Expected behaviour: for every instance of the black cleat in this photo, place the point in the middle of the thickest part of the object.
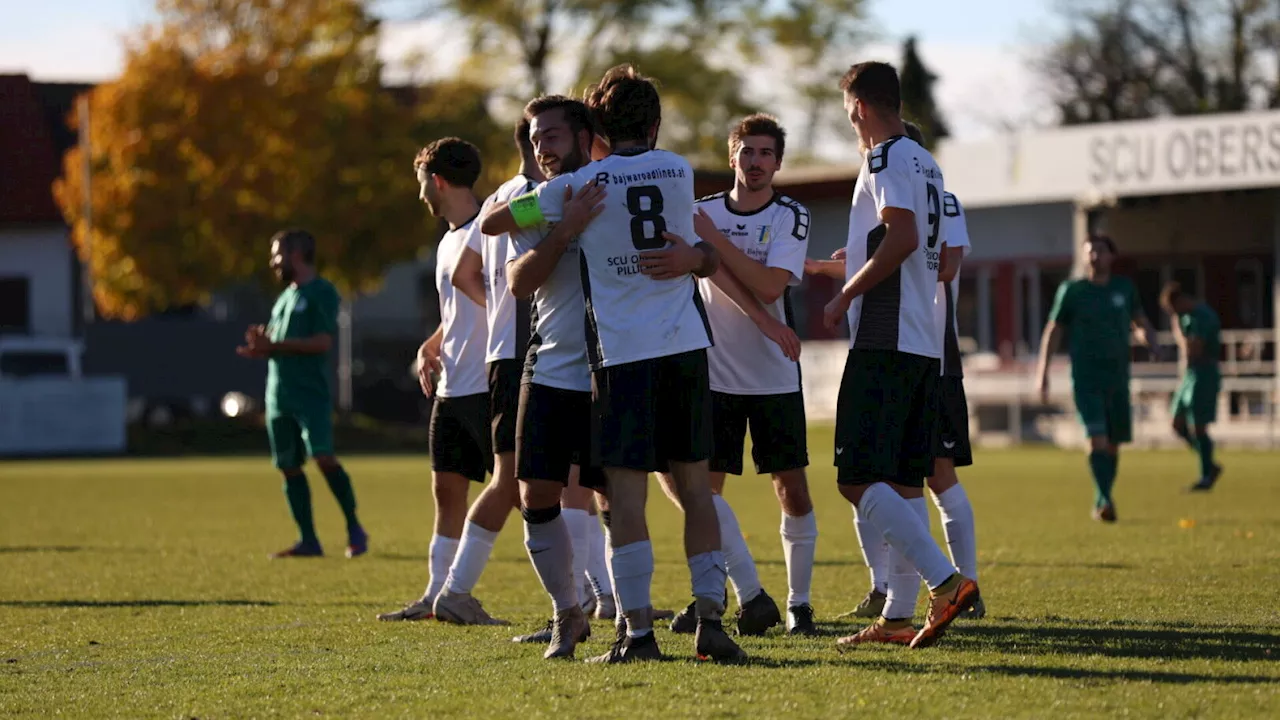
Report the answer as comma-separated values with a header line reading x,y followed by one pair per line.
x,y
758,615
712,643
1205,484
628,649
800,621
686,623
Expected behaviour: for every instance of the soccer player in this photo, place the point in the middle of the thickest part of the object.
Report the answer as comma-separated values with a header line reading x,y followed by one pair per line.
x,y
459,434
887,408
296,346
1195,403
761,236
646,341
1100,311
952,448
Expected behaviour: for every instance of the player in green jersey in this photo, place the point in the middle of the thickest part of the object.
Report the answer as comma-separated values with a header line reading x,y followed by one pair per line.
x,y
1099,312
296,346
1195,403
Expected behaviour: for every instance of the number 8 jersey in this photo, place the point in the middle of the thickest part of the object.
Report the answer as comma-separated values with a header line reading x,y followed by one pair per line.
x,y
898,313
630,317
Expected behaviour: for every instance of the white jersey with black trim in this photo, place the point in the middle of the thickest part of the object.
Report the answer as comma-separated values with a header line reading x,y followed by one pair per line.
x,y
897,314
465,333
744,361
630,316
504,313
944,303
557,355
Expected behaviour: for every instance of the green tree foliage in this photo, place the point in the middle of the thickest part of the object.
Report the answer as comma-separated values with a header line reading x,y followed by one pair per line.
x,y
918,103
231,120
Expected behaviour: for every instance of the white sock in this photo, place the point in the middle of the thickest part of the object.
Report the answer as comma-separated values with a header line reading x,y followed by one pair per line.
x,y
551,551
799,540
958,526
737,557
893,515
473,555
904,581
579,534
632,577
443,549
598,560
875,552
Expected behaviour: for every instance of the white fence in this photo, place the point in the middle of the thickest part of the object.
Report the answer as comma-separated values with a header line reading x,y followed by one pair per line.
x,y
1006,409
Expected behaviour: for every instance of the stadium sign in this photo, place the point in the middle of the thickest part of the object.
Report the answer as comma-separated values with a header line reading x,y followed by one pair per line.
x,y
1095,162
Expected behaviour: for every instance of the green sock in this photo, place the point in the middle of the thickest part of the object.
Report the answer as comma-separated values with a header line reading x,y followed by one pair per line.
x,y
340,485
299,495
1204,446
1103,465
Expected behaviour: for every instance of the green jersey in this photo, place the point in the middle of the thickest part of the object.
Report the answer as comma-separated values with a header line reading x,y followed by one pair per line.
x,y
298,382
1203,323
1098,321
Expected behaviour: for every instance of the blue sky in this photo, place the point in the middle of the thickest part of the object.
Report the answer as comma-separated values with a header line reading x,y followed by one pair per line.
x,y
977,47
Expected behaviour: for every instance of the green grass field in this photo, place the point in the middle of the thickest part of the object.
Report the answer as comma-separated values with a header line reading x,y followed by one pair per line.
x,y
142,588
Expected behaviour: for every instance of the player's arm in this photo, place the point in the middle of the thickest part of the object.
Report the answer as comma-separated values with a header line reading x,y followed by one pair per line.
x,y
429,360
679,259
314,345
900,240
831,268
1051,338
749,304
530,270
545,204
768,283
468,274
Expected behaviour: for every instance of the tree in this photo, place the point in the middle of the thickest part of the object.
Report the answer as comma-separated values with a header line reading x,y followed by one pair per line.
x,y
1130,59
918,104
678,42
233,119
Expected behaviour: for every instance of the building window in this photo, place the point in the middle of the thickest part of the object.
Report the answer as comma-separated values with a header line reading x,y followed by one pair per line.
x,y
967,308
15,305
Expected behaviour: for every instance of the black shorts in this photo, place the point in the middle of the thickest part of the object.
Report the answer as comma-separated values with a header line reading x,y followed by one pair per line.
x,y
651,412
778,439
554,432
953,423
459,436
886,418
504,397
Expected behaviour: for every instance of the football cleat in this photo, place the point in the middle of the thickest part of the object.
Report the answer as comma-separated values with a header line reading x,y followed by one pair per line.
x,y
878,632
300,550
463,609
416,610
758,615
944,608
800,621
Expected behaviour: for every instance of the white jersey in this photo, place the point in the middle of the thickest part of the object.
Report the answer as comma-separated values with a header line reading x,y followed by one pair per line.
x,y
557,354
744,361
632,317
506,337
944,303
897,314
465,333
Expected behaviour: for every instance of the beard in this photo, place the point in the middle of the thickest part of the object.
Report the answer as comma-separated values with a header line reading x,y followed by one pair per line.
x,y
568,163
286,275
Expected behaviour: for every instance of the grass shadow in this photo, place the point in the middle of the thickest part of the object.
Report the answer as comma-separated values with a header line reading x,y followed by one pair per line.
x,y
1168,642
92,604
6,549
1062,673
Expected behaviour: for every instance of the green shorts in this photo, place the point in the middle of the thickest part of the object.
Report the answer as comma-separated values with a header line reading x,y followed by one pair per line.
x,y
1196,400
1106,413
295,436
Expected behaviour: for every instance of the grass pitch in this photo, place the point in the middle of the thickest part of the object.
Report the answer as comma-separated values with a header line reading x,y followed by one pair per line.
x,y
141,588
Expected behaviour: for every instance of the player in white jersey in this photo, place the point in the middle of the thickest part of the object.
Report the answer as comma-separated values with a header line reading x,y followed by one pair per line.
x,y
762,237
646,341
886,413
952,448
459,431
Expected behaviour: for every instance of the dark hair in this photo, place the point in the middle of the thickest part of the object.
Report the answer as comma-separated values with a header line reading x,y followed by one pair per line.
x,y
521,136
299,241
624,104
758,124
575,112
875,83
1171,293
914,132
454,159
1105,241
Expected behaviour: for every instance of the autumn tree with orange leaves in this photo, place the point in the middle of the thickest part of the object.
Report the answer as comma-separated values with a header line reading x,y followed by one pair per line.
x,y
234,119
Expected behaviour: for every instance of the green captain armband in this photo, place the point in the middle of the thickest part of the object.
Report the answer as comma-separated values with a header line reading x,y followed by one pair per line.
x,y
526,211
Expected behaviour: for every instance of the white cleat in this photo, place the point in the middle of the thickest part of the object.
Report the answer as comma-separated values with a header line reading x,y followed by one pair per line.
x,y
463,609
